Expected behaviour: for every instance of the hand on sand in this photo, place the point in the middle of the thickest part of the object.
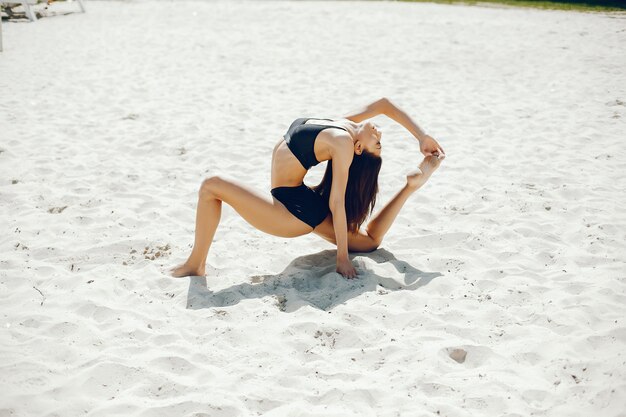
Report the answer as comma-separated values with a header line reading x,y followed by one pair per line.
x,y
429,146
417,178
345,268
185,270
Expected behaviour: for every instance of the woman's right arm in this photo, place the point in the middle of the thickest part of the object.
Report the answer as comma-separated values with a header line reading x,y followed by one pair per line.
x,y
342,154
379,106
428,145
389,109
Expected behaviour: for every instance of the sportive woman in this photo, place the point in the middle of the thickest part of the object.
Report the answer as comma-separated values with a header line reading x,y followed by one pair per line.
x,y
337,207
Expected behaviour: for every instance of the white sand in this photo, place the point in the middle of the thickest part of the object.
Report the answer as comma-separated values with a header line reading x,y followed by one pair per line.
x,y
514,252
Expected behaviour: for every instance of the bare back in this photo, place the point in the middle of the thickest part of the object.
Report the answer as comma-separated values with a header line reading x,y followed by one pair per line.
x,y
287,171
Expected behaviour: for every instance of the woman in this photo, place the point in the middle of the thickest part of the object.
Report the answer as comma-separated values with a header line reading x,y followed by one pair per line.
x,y
337,207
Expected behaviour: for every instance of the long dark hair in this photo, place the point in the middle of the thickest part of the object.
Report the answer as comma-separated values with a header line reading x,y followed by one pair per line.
x,y
361,189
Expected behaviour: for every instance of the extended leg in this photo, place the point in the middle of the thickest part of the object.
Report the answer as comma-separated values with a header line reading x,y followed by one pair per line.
x,y
382,221
265,214
370,239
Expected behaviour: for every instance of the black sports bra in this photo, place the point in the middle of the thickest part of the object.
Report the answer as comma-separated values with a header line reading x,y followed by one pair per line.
x,y
300,138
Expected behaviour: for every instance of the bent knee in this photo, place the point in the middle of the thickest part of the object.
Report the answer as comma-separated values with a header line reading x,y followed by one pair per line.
x,y
210,187
372,246
374,242
366,245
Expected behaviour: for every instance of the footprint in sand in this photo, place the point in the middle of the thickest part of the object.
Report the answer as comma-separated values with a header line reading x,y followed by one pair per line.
x,y
149,253
57,210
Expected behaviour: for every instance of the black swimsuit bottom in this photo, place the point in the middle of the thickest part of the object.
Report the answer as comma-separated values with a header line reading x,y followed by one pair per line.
x,y
302,201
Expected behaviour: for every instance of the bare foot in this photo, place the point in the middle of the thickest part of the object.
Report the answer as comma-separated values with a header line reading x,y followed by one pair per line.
x,y
185,270
417,178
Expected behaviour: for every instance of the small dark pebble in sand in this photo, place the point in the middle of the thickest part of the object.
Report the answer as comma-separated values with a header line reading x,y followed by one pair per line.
x,y
458,355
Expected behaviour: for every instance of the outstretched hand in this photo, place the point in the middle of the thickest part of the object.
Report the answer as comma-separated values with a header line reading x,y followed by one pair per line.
x,y
345,268
429,146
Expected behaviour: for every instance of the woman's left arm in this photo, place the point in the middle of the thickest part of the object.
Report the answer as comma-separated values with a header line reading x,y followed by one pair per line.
x,y
342,153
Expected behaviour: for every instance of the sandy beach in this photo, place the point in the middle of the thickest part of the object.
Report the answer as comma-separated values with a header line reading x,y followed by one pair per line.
x,y
499,291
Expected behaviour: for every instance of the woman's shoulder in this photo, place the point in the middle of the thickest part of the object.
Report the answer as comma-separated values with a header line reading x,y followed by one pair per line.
x,y
339,145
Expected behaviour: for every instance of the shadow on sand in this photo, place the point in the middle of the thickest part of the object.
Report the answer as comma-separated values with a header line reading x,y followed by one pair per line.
x,y
312,280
